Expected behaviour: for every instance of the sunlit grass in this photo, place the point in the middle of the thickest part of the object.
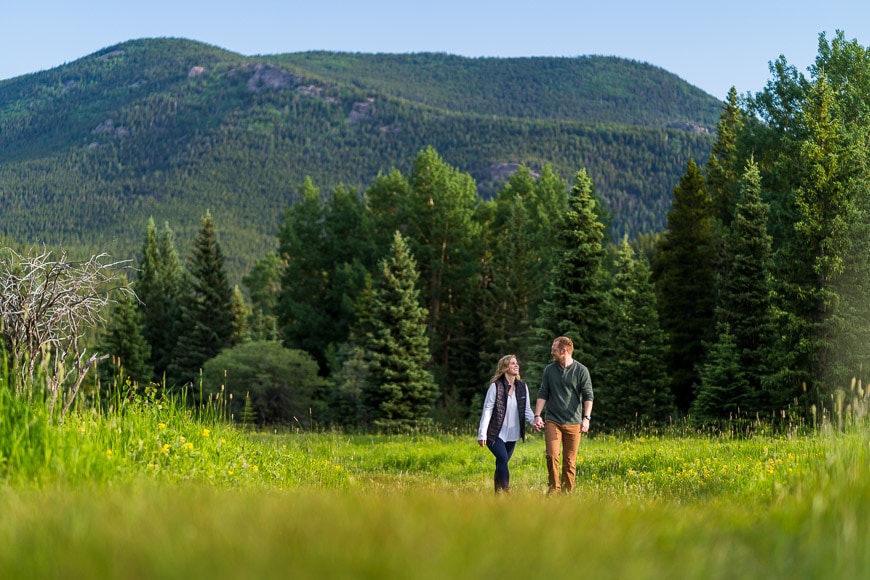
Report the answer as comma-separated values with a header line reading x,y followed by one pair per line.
x,y
162,531
150,487
150,437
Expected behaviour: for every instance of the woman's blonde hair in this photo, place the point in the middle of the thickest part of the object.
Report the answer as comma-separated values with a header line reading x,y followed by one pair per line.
x,y
502,367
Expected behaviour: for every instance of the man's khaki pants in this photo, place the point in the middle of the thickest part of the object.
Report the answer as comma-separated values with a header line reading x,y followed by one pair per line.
x,y
566,436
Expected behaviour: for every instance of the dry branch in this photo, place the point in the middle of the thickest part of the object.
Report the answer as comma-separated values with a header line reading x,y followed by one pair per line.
x,y
45,306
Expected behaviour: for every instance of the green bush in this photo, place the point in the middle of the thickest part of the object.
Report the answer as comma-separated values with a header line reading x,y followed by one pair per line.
x,y
281,382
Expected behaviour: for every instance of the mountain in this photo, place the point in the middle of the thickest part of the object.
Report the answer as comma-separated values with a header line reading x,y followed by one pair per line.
x,y
171,128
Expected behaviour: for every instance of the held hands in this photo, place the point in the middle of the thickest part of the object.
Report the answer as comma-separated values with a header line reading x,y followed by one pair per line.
x,y
481,442
538,423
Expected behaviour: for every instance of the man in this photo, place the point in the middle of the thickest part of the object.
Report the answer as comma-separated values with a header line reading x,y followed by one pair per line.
x,y
566,390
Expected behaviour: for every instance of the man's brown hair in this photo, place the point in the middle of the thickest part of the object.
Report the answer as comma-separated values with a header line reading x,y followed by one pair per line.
x,y
566,343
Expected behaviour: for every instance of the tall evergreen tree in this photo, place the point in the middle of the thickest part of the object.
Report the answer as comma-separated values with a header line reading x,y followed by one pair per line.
x,y
723,166
303,280
723,381
241,313
811,139
512,282
523,225
151,292
351,251
351,375
399,390
125,342
159,287
386,199
744,305
576,303
637,388
263,283
206,314
328,247
825,216
172,271
683,271
446,239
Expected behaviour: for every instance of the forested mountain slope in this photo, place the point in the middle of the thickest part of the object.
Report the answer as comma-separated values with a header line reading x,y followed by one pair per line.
x,y
591,89
171,128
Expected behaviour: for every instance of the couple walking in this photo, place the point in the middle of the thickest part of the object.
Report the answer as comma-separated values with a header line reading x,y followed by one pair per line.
x,y
566,392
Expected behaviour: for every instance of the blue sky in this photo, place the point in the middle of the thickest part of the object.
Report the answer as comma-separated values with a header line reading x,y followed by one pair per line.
x,y
712,45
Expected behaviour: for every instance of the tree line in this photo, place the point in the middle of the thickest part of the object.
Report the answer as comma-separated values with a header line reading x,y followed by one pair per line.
x,y
751,304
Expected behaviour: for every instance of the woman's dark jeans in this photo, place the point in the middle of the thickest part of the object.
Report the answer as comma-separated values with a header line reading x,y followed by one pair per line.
x,y
502,452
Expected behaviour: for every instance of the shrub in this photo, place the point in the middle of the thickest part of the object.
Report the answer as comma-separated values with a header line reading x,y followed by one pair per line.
x,y
282,382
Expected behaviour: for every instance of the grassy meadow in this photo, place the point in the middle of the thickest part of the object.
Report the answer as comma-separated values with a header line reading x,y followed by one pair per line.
x,y
146,488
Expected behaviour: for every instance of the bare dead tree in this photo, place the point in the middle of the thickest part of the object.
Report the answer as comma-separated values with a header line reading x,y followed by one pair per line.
x,y
45,306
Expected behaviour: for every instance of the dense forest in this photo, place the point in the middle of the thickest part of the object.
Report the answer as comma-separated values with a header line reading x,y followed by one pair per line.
x,y
170,128
387,304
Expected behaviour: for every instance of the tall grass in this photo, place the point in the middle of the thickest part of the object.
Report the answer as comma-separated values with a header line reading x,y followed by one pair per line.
x,y
146,486
26,440
145,434
814,527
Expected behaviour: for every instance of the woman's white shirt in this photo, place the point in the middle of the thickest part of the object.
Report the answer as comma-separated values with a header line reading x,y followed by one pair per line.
x,y
510,427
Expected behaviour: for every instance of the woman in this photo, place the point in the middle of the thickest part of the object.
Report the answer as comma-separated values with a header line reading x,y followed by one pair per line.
x,y
501,424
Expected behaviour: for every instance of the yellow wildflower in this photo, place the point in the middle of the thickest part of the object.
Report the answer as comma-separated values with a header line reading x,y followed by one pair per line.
x,y
109,453
161,425
206,432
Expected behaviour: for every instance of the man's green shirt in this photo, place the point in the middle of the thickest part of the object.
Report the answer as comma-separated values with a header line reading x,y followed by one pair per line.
x,y
565,390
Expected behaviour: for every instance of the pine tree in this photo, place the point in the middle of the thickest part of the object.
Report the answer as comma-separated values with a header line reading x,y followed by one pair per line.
x,y
351,254
744,305
241,313
812,145
386,199
399,390
723,166
510,270
171,269
328,247
576,305
350,379
825,215
513,284
300,248
206,325
263,283
150,290
159,287
637,388
126,344
684,273
722,381
446,239
249,415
